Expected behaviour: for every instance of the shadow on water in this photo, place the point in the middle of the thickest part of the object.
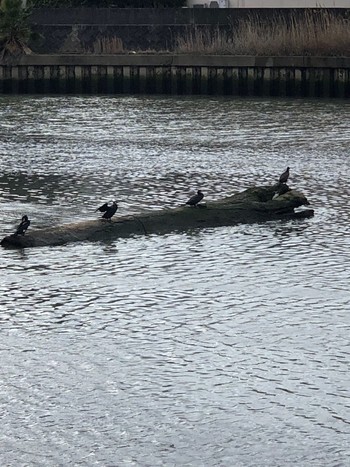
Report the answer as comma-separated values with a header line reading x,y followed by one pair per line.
x,y
287,229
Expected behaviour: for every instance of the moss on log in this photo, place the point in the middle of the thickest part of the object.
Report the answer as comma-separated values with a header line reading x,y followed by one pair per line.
x,y
257,204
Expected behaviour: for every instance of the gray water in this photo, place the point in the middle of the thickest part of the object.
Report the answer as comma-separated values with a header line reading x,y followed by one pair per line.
x,y
213,347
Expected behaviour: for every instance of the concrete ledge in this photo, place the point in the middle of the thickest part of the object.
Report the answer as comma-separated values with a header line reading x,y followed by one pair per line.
x,y
182,60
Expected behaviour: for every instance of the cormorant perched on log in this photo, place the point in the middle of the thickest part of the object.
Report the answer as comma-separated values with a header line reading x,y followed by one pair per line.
x,y
23,226
284,177
194,200
109,211
282,189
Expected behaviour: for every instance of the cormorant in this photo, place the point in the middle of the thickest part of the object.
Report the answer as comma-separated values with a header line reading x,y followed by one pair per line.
x,y
23,226
109,211
281,190
284,177
195,199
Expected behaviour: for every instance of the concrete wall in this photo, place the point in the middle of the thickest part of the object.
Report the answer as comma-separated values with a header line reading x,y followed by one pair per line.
x,y
270,3
168,74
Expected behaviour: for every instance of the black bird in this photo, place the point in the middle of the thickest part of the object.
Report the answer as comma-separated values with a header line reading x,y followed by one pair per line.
x,y
109,211
23,226
194,200
284,177
282,189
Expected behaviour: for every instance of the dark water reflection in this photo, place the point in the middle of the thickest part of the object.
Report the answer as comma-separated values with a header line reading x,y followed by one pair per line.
x,y
224,346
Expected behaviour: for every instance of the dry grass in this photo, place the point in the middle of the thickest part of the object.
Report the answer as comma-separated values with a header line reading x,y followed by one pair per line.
x,y
314,33
204,41
108,45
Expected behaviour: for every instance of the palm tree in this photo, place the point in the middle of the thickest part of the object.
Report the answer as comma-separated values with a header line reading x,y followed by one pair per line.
x,y
15,32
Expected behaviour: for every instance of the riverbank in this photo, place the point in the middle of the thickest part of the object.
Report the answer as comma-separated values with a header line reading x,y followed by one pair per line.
x,y
177,74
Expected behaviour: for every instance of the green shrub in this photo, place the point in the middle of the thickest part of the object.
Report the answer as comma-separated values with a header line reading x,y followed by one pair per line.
x,y
15,32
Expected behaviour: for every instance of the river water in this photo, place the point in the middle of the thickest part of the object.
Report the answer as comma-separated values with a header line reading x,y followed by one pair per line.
x,y
213,347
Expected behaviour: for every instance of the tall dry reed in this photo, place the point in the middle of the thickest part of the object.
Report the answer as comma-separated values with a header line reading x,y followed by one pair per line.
x,y
313,33
108,45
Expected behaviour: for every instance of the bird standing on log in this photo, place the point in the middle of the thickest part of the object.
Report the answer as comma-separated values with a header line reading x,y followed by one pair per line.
x,y
23,226
194,200
284,177
282,189
108,211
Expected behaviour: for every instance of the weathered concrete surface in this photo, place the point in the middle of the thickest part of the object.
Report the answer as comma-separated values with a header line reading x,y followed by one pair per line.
x,y
253,205
176,74
167,16
182,60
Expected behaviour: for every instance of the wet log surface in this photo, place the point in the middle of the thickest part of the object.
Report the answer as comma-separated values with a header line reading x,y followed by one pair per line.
x,y
252,205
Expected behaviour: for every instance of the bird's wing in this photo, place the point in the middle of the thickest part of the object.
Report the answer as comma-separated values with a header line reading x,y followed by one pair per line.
x,y
19,229
103,208
195,199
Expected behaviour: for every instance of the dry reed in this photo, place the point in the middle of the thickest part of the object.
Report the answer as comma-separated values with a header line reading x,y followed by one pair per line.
x,y
321,33
108,45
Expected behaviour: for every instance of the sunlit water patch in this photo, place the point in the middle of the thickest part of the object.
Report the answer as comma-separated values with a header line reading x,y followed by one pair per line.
x,y
224,346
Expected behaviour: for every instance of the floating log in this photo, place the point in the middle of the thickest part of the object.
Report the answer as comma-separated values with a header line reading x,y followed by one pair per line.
x,y
257,204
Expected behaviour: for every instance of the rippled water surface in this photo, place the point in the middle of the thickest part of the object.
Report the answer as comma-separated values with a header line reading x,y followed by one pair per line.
x,y
213,347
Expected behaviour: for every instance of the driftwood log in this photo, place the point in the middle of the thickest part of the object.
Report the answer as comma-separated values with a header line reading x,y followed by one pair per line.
x,y
257,204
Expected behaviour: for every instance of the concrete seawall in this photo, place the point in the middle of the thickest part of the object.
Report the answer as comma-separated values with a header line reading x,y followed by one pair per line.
x,y
177,74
